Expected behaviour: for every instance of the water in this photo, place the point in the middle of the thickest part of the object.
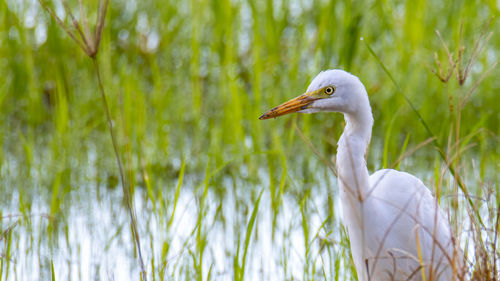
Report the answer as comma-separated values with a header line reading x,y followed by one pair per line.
x,y
86,236
90,238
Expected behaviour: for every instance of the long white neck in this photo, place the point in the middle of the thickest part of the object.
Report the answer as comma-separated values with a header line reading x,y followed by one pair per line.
x,y
351,165
353,178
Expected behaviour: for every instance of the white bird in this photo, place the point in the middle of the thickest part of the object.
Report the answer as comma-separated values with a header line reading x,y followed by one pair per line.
x,y
395,226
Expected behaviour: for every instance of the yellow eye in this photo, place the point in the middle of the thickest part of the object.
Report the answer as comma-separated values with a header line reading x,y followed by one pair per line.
x,y
329,90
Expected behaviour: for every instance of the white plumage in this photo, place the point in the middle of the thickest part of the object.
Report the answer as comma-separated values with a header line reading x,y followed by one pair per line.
x,y
396,228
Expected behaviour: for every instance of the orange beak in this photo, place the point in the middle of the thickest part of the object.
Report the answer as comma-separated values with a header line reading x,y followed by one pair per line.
x,y
299,103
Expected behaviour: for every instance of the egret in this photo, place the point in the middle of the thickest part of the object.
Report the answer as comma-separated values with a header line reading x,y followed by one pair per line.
x,y
396,229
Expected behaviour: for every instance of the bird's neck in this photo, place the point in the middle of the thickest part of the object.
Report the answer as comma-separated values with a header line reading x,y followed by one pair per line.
x,y
353,176
351,165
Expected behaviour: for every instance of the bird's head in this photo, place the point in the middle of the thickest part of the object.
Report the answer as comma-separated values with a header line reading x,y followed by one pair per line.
x,y
331,90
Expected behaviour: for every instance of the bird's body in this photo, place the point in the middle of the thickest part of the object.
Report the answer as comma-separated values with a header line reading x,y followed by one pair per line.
x,y
397,218
395,226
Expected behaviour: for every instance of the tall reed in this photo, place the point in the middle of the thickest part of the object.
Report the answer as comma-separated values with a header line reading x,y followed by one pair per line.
x,y
89,42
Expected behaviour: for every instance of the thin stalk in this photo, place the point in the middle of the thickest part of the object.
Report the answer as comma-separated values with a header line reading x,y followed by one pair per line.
x,y
435,141
125,186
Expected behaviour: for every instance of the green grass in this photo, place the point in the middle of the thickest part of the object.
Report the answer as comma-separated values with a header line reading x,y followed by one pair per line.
x,y
219,194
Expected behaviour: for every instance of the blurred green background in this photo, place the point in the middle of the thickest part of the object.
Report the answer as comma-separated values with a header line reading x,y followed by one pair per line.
x,y
186,82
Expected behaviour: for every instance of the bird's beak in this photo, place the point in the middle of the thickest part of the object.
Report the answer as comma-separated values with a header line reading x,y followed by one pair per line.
x,y
299,103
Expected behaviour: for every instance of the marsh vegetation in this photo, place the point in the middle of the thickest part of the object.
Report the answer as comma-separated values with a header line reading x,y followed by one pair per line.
x,y
207,190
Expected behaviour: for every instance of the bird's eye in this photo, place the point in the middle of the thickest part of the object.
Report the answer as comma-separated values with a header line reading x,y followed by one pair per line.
x,y
329,90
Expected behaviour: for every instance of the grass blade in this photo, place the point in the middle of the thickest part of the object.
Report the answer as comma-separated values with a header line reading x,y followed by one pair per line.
x,y
435,141
248,236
